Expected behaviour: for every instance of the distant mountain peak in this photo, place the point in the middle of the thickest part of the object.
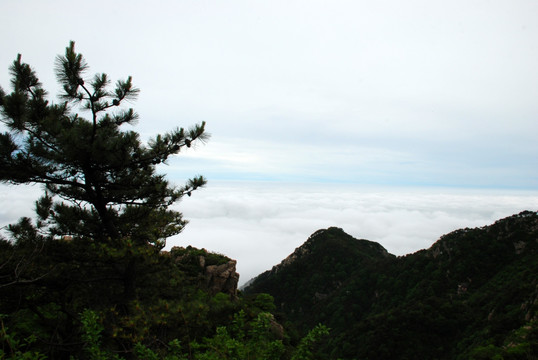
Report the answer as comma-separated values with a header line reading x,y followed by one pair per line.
x,y
506,232
328,241
472,294
317,258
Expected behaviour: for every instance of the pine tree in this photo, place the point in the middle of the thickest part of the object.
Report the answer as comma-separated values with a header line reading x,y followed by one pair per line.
x,y
100,180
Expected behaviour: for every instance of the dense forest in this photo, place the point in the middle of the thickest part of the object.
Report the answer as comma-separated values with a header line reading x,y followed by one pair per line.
x,y
87,277
472,295
66,299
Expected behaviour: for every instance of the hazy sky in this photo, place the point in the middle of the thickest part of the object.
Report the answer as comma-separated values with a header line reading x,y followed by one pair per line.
x,y
391,94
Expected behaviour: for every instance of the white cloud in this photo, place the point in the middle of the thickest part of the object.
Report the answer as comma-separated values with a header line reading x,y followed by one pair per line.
x,y
379,92
402,163
259,224
448,87
17,201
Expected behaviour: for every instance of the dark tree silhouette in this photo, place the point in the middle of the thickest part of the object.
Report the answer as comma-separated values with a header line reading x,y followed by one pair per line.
x,y
100,179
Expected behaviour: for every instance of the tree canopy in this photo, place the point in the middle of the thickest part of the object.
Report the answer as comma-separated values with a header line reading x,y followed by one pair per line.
x,y
111,293
100,179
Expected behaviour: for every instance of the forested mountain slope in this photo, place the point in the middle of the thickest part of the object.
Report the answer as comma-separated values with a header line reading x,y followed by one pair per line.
x,y
472,295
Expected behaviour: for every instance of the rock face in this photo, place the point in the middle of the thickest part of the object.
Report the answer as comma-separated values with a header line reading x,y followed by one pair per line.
x,y
216,273
222,278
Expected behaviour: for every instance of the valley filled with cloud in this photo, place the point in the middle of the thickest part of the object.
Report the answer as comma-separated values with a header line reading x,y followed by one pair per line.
x,y
259,224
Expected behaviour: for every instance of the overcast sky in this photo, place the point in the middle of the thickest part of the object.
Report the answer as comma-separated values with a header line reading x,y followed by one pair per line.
x,y
342,96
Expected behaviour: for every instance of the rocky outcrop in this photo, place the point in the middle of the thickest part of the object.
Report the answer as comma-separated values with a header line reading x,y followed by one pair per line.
x,y
222,278
215,272
298,253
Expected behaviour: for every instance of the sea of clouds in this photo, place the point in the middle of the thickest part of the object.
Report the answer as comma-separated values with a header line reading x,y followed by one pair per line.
x,y
259,223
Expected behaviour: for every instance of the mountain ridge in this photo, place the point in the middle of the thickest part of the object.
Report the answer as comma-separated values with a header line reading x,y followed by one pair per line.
x,y
305,248
463,297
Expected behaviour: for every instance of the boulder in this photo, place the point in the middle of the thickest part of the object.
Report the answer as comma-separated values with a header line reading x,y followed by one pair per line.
x,y
222,278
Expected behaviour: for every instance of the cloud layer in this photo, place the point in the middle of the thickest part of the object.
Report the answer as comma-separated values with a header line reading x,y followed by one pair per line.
x,y
259,224
385,92
330,95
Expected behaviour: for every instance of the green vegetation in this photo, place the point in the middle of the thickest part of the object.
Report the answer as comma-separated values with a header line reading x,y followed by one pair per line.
x,y
473,294
317,268
87,278
99,179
